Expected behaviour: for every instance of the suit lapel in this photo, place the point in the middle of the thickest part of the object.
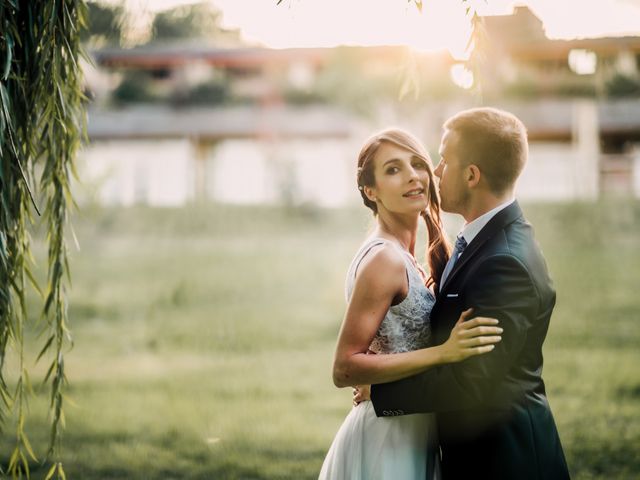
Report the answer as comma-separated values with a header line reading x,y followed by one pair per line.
x,y
500,220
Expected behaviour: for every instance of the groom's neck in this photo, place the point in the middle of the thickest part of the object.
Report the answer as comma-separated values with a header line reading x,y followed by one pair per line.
x,y
483,202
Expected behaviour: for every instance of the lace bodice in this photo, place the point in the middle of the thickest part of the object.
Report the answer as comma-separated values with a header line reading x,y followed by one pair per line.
x,y
406,326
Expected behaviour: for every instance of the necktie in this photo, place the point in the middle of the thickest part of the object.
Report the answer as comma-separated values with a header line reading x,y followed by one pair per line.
x,y
460,245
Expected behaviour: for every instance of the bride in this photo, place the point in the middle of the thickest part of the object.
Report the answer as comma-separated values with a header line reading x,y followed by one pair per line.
x,y
385,334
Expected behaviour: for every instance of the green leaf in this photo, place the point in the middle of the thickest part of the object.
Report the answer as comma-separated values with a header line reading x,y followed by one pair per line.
x,y
33,281
4,97
45,348
6,397
25,463
13,460
9,58
51,472
49,371
28,448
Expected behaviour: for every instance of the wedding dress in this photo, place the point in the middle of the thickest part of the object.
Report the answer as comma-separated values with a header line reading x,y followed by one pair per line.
x,y
368,447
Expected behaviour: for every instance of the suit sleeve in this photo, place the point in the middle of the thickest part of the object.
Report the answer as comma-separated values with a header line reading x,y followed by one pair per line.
x,y
500,288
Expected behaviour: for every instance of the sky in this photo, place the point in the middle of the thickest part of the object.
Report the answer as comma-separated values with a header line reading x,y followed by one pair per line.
x,y
441,24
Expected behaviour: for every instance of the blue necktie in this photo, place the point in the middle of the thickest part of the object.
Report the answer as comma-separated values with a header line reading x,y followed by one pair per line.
x,y
459,247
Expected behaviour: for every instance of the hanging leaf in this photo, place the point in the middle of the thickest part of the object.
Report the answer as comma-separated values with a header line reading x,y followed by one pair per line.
x,y
410,77
51,472
9,56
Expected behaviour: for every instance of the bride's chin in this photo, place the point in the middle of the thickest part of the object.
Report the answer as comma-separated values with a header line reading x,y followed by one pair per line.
x,y
413,212
421,208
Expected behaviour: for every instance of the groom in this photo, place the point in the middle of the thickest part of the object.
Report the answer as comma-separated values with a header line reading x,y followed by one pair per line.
x,y
493,417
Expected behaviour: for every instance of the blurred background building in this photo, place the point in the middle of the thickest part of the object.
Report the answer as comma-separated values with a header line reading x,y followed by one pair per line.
x,y
196,114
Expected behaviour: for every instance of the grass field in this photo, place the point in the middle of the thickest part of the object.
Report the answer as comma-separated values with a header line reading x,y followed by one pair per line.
x,y
204,340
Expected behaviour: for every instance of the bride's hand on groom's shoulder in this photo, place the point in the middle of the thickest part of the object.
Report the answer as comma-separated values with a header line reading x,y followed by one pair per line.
x,y
470,337
361,393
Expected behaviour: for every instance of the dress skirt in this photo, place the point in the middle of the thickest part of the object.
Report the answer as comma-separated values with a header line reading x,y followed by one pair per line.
x,y
368,447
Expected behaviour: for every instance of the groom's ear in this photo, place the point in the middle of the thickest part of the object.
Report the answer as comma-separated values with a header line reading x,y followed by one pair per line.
x,y
473,175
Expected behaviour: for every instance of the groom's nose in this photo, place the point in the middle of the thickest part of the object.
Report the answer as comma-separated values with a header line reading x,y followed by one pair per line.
x,y
438,171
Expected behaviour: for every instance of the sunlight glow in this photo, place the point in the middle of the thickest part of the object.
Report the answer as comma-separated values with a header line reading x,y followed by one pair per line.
x,y
462,76
442,24
583,62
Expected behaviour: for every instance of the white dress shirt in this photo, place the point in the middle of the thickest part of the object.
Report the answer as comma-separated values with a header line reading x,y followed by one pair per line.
x,y
471,230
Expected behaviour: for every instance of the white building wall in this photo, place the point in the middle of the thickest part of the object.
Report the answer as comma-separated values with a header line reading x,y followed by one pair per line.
x,y
298,171
549,174
125,172
636,172
321,172
325,172
586,142
239,172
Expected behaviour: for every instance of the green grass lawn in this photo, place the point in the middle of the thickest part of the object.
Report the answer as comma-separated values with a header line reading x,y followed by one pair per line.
x,y
204,339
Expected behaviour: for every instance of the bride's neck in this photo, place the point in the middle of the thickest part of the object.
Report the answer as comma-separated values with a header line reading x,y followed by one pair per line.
x,y
402,229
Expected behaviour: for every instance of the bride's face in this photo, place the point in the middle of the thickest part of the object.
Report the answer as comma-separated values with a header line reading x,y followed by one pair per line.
x,y
401,180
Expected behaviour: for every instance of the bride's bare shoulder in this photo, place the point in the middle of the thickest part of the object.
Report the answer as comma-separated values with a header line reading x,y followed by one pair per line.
x,y
382,261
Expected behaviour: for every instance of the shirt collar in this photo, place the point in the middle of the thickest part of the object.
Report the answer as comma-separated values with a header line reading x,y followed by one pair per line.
x,y
471,230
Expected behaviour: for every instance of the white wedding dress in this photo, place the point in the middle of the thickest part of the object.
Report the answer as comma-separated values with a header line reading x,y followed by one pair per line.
x,y
368,447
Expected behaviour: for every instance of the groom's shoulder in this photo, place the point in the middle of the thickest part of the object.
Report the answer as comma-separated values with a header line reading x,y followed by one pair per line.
x,y
519,235
510,238
516,240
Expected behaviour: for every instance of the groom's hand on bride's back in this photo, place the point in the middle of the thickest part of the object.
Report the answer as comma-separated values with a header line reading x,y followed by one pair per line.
x,y
361,393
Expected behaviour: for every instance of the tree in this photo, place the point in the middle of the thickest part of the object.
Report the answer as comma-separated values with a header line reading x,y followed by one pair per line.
x,y
188,22
104,25
41,127
620,86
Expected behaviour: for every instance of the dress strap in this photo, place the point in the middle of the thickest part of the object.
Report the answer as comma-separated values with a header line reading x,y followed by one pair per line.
x,y
355,263
366,248
414,276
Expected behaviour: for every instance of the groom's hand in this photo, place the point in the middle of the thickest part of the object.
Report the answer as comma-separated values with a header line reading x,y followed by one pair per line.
x,y
361,393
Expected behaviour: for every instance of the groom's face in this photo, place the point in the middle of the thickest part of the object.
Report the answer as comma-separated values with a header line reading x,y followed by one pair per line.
x,y
453,189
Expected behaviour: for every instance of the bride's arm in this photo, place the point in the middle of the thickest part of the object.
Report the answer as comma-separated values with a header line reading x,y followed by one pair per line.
x,y
381,278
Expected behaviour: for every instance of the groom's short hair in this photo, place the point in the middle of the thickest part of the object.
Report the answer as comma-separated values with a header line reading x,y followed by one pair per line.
x,y
493,140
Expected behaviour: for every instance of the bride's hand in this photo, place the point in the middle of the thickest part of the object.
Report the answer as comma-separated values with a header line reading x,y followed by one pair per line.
x,y
470,337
